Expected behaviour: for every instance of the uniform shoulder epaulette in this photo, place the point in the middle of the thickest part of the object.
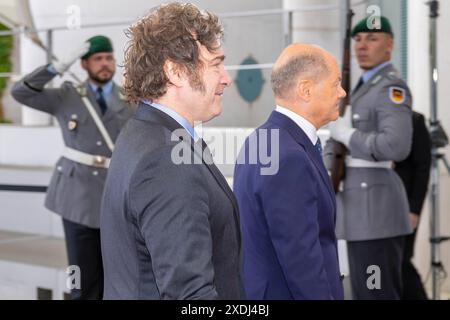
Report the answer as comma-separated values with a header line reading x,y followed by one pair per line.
x,y
122,94
392,75
391,78
376,79
81,89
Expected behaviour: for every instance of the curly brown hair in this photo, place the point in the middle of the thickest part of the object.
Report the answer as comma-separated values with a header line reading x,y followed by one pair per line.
x,y
168,32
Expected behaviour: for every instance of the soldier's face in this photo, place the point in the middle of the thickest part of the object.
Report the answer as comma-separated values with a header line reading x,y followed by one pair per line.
x,y
373,49
326,95
100,67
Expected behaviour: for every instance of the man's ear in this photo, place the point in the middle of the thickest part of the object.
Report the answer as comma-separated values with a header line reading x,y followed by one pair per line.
x,y
84,64
390,44
174,74
304,90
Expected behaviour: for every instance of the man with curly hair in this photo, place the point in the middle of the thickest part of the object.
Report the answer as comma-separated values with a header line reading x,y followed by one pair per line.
x,y
169,221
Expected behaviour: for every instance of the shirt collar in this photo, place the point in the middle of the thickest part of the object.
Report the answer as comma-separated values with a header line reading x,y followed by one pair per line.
x,y
107,87
370,73
307,127
175,116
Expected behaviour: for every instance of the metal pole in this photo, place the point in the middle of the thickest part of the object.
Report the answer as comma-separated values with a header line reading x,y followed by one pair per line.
x,y
345,6
49,45
287,28
434,197
49,57
435,254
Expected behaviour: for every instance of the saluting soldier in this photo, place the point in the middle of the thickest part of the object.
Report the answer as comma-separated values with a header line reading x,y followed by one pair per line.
x,y
373,212
90,116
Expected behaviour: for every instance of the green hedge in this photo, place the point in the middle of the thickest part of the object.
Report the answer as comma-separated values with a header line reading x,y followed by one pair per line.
x,y
6,45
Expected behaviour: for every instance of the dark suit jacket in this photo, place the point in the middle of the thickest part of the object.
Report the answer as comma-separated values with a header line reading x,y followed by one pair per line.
x,y
287,219
168,231
415,169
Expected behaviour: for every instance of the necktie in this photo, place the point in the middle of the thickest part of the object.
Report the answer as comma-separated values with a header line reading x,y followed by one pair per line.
x,y
359,84
318,146
101,100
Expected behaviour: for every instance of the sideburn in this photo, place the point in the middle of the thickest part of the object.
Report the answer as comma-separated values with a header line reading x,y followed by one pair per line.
x,y
195,78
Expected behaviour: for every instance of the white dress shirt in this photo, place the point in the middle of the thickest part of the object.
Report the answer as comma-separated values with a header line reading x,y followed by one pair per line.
x,y
307,127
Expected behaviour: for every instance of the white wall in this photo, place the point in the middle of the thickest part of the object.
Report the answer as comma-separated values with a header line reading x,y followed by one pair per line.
x,y
322,27
260,37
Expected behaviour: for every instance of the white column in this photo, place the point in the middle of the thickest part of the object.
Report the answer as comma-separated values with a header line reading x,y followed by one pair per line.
x,y
418,55
31,117
317,27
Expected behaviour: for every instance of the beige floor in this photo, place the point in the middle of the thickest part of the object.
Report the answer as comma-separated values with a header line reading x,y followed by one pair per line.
x,y
32,267
31,249
37,252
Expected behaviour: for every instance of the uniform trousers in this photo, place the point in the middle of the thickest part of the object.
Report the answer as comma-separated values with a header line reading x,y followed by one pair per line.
x,y
84,250
368,257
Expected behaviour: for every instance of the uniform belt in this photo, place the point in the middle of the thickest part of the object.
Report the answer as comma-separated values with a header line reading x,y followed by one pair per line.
x,y
360,163
86,158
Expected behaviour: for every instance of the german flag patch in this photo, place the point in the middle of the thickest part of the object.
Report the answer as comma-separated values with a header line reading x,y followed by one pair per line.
x,y
397,95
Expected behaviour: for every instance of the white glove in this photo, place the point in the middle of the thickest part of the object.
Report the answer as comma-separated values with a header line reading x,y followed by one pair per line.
x,y
62,65
341,130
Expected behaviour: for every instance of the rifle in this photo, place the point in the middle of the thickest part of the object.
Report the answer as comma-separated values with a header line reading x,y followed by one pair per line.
x,y
339,150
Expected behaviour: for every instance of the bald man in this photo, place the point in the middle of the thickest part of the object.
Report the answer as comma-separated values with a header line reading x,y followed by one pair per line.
x,y
288,214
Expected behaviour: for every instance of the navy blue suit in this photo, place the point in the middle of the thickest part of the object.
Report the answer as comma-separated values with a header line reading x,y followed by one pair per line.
x,y
287,219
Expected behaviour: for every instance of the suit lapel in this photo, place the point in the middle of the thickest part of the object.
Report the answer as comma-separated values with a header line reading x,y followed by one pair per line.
x,y
92,98
116,102
318,162
360,92
367,85
301,138
147,113
208,161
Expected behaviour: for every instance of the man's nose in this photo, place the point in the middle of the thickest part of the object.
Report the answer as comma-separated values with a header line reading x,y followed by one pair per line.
x,y
226,79
343,93
361,45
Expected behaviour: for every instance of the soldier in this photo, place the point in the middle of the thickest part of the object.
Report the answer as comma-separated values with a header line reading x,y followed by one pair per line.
x,y
415,174
90,116
373,212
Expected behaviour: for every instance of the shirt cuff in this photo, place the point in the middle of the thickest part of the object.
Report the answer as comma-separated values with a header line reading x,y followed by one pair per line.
x,y
51,69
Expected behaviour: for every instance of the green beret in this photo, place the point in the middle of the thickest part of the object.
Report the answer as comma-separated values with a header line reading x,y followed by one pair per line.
x,y
365,26
98,44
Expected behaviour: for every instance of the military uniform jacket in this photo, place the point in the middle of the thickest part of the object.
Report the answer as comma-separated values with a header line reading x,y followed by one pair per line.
x,y
373,203
75,190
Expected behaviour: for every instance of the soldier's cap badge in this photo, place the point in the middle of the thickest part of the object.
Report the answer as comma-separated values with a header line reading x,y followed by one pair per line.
x,y
397,95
